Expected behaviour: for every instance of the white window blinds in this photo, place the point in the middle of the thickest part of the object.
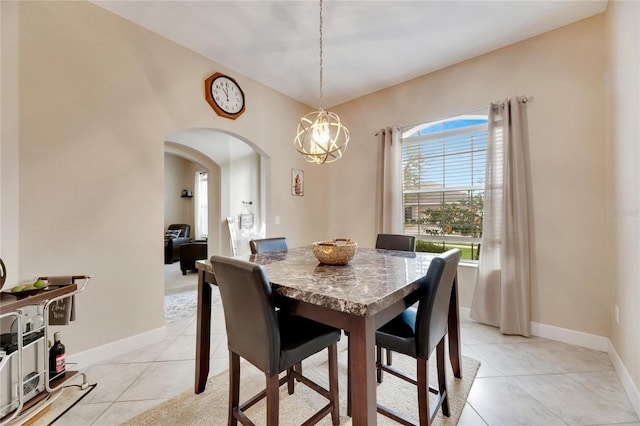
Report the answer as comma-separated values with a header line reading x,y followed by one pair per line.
x,y
443,167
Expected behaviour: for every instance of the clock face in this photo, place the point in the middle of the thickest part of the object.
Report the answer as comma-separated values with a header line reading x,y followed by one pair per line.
x,y
224,95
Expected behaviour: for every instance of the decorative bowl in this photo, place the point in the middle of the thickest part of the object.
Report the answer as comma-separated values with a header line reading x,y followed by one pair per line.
x,y
335,252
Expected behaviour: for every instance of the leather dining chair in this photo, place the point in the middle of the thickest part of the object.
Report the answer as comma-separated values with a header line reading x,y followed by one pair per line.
x,y
416,332
399,242
396,242
267,245
272,340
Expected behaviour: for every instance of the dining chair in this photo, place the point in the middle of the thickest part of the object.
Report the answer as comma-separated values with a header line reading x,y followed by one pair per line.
x,y
271,339
416,332
398,242
267,245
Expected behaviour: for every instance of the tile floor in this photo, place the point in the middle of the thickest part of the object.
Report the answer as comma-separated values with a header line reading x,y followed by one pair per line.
x,y
521,381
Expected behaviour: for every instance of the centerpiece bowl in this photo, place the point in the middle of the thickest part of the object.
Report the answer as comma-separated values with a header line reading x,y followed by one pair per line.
x,y
335,252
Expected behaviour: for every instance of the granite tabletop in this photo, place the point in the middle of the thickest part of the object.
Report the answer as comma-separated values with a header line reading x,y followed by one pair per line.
x,y
373,279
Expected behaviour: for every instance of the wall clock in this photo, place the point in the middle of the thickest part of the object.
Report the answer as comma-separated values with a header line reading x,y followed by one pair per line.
x,y
224,95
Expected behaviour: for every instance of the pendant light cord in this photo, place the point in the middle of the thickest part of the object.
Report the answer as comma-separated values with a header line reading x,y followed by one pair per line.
x,y
321,65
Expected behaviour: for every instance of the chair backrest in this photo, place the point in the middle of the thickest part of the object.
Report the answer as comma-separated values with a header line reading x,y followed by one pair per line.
x,y
183,227
249,312
396,242
433,309
267,245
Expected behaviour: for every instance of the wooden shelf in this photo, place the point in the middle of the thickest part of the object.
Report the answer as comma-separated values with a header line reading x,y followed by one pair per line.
x,y
11,302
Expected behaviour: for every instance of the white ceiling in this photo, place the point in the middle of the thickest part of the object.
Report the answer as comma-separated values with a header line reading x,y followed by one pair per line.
x,y
368,45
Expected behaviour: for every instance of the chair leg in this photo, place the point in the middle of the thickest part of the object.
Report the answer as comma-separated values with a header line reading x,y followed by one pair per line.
x,y
333,384
273,400
291,386
388,356
348,376
234,387
442,379
422,371
379,363
298,368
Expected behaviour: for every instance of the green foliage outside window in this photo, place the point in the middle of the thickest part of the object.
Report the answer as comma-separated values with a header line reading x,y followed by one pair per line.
x,y
469,251
463,218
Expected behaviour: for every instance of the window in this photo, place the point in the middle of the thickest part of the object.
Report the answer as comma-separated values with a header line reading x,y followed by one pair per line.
x,y
443,164
202,206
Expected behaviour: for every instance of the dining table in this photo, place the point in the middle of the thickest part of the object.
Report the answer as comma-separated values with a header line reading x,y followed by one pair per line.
x,y
374,287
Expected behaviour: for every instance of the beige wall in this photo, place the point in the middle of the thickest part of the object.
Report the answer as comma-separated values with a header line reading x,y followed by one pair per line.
x,y
563,71
96,97
623,180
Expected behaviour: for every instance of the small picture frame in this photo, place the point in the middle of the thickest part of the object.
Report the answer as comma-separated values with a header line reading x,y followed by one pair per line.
x,y
246,220
297,182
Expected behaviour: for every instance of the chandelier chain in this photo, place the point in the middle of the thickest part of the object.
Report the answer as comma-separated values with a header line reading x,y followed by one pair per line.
x,y
321,137
321,65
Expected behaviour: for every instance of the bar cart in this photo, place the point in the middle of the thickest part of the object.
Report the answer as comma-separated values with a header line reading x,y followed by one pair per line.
x,y
26,388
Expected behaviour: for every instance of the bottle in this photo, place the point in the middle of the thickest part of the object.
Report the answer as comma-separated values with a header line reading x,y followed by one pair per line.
x,y
56,358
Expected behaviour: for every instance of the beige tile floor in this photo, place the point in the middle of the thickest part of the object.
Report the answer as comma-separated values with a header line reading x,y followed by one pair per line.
x,y
521,381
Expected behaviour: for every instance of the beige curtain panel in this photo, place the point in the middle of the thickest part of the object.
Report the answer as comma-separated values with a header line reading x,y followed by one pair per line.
x,y
502,292
389,198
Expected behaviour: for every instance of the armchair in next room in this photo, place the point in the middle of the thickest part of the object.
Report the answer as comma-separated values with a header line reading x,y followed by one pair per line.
x,y
175,235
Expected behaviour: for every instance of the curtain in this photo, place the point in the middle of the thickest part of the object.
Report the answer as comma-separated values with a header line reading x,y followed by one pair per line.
x,y
502,292
389,198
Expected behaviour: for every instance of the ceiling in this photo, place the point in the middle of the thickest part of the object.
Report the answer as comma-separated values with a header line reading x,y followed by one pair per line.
x,y
367,45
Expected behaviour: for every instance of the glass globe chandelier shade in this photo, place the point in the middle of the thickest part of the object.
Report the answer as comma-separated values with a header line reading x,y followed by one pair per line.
x,y
321,138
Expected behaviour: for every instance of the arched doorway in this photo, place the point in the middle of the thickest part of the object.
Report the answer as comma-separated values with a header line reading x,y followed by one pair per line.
x,y
238,171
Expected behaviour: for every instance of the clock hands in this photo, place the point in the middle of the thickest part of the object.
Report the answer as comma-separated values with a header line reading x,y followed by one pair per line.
x,y
225,89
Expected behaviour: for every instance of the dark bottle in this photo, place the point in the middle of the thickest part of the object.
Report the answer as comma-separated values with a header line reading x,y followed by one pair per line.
x,y
56,358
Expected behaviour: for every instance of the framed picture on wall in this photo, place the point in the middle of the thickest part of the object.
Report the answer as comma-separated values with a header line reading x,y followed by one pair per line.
x,y
297,182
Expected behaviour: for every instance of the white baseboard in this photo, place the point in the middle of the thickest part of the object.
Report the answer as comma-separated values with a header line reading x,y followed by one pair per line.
x,y
627,382
84,359
578,338
586,340
573,337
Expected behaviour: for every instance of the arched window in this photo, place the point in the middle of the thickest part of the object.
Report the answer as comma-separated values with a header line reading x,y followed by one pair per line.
x,y
443,164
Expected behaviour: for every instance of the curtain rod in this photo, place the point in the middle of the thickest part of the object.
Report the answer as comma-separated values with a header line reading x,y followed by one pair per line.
x,y
522,99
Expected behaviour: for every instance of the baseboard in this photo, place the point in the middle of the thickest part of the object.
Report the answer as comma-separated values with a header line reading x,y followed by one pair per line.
x,y
564,335
627,382
82,360
586,340
573,337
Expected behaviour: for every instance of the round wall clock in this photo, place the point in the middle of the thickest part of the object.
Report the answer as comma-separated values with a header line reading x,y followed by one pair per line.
x,y
224,95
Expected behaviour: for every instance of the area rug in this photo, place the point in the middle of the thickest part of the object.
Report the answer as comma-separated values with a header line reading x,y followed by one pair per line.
x,y
210,407
180,305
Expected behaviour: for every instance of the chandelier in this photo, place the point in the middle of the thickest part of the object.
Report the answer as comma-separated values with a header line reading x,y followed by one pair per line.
x,y
321,137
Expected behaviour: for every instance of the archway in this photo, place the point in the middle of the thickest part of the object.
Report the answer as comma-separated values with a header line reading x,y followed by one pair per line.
x,y
238,170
